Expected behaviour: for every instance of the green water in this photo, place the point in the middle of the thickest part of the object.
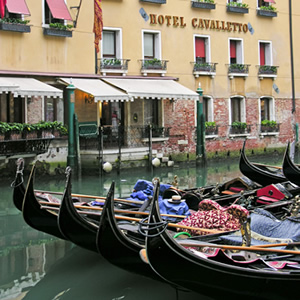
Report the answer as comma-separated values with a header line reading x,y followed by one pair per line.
x,y
35,265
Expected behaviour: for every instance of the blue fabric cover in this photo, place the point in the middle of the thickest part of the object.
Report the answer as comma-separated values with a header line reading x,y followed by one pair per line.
x,y
167,207
266,224
143,189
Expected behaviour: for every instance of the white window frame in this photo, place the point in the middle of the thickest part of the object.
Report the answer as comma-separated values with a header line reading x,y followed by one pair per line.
x,y
239,50
157,49
238,1
271,106
243,108
268,50
119,39
207,47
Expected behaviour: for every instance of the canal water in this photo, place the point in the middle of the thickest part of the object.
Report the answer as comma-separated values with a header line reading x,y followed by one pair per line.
x,y
35,266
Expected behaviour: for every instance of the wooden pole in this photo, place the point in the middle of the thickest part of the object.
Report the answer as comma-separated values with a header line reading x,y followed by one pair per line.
x,y
116,210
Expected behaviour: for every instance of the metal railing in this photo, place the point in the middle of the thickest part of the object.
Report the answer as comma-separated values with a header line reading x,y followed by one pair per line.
x,y
113,64
238,68
153,64
204,67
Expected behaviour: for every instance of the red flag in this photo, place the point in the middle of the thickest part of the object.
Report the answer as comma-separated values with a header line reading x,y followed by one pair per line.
x,y
2,8
98,23
270,1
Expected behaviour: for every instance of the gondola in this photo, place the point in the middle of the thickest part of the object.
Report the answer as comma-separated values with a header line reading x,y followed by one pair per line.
x,y
115,247
75,227
290,170
18,185
216,279
40,219
259,173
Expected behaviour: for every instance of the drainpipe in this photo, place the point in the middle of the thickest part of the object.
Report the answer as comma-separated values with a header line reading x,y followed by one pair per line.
x,y
71,105
200,147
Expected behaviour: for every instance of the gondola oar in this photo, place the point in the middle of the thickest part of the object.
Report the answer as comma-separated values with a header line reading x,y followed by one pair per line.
x,y
118,217
116,210
242,248
96,198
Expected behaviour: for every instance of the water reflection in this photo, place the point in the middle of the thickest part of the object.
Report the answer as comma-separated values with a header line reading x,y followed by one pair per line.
x,y
35,265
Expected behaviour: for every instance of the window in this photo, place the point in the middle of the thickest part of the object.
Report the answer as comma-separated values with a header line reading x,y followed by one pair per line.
x,y
265,54
16,9
111,43
266,109
208,109
151,45
202,49
235,51
265,3
53,109
56,11
152,112
237,109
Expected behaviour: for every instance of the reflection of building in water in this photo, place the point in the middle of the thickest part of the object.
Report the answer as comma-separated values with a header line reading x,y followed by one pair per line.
x,y
28,263
25,254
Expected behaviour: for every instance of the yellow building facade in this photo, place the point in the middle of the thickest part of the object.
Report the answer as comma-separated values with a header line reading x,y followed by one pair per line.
x,y
154,55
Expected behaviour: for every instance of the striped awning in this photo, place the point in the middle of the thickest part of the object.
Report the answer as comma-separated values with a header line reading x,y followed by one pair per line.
x,y
100,90
28,87
153,88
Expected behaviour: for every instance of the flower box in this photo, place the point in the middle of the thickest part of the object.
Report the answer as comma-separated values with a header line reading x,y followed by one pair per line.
x,y
29,135
15,135
57,32
14,27
266,13
203,5
239,10
155,1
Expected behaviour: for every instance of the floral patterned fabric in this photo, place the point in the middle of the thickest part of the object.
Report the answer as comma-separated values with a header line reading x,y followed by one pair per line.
x,y
211,215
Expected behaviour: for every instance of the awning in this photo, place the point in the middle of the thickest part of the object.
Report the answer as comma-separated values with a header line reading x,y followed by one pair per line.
x,y
6,86
17,7
59,9
29,87
153,88
97,88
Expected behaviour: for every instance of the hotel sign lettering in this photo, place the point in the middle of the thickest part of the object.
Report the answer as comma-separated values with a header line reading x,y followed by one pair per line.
x,y
198,23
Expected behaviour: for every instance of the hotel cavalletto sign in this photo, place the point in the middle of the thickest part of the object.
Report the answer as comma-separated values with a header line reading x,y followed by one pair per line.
x,y
198,23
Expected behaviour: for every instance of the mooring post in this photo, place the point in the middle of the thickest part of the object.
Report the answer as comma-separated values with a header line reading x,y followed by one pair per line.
x,y
200,147
71,105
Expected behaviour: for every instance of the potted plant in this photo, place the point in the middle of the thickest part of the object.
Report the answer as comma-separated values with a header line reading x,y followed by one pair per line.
x,y
268,70
29,131
152,64
211,128
15,131
3,129
205,4
58,29
269,126
204,67
267,11
237,68
238,127
14,24
237,7
112,63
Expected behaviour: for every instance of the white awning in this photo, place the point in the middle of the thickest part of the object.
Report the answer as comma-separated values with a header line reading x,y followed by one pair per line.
x,y
6,86
153,88
97,88
29,87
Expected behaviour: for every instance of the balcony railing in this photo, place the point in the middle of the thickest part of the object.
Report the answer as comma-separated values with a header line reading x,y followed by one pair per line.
x,y
204,68
269,128
113,65
211,130
153,66
238,70
267,71
239,130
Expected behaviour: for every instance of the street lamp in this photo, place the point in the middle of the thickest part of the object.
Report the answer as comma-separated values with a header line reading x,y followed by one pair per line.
x,y
200,148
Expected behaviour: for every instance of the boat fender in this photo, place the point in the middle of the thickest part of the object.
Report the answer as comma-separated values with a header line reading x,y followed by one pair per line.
x,y
107,167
